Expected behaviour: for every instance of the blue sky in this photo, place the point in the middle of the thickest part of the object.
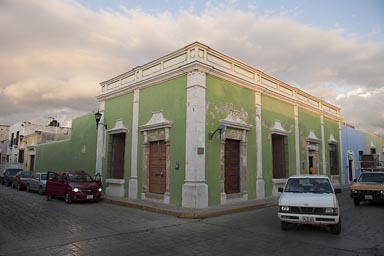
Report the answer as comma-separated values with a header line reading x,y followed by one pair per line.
x,y
56,52
363,19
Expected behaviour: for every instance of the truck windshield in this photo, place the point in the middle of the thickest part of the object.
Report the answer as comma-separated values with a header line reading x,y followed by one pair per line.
x,y
308,185
372,177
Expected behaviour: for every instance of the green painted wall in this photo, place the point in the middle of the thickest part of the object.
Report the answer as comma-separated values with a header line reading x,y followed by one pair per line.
x,y
331,127
170,98
308,121
222,96
120,107
77,153
370,139
272,110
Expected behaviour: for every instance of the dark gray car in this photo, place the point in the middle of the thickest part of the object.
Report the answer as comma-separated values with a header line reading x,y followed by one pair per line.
x,y
9,175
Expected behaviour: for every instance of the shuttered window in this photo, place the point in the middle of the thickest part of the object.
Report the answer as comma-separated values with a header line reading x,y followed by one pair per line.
x,y
116,156
279,156
333,159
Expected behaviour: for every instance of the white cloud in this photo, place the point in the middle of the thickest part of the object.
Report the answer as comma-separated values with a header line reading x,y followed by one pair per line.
x,y
56,52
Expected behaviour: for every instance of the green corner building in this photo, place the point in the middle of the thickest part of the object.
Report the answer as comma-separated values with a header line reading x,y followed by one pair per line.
x,y
197,128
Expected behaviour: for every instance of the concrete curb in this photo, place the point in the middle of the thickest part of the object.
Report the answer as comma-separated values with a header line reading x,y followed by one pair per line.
x,y
198,213
191,213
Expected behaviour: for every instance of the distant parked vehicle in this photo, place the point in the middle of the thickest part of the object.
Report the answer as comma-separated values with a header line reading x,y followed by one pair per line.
x,y
21,180
37,182
2,177
369,187
9,175
73,186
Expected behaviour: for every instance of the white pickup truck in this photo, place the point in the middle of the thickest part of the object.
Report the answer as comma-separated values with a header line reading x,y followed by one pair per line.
x,y
309,199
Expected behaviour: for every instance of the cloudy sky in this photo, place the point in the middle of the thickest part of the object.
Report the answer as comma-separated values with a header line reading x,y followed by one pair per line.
x,y
54,53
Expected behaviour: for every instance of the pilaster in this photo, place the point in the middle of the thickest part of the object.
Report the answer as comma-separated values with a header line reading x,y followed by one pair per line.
x,y
323,145
342,174
260,183
132,191
297,139
195,189
100,140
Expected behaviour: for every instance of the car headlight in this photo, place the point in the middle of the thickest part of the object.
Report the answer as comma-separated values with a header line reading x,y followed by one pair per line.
x,y
331,211
75,190
382,192
100,189
284,208
354,191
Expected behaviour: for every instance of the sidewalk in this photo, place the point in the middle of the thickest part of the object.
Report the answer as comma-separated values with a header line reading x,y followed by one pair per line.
x,y
188,213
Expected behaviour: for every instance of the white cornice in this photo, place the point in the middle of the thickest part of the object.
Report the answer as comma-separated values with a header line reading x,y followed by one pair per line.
x,y
201,57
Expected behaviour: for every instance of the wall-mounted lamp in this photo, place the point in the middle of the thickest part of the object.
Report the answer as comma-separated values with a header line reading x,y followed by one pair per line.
x,y
97,118
221,130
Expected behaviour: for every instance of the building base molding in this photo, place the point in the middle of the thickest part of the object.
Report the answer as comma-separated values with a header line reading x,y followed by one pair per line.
x,y
260,188
277,183
132,188
233,198
195,195
115,187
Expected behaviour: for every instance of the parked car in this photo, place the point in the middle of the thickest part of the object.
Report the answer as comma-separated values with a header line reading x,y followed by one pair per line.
x,y
9,175
2,177
21,180
309,199
37,182
73,186
368,187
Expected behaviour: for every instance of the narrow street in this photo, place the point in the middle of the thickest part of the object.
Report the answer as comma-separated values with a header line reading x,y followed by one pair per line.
x,y
30,225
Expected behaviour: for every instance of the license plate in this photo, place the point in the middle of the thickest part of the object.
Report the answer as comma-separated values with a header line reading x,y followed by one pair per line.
x,y
89,196
308,219
368,197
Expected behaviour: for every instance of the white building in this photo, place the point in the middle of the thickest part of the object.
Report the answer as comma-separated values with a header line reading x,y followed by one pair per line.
x,y
18,131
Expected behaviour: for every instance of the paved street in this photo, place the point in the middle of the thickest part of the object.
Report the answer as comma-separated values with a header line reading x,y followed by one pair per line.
x,y
30,225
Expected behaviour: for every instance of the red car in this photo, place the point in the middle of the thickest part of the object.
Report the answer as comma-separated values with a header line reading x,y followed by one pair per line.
x,y
73,186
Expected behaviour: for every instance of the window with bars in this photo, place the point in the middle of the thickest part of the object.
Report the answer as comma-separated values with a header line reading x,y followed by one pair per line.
x,y
116,156
21,156
279,156
333,159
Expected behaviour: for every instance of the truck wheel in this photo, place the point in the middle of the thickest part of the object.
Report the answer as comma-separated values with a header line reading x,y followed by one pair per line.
x,y
336,229
356,202
67,198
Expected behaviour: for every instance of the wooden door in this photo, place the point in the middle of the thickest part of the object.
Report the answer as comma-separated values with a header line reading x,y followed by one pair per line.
x,y
232,166
278,156
157,167
117,154
32,163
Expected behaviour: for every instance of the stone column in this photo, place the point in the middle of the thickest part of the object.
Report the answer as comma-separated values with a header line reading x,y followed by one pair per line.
x,y
132,187
100,140
195,189
342,174
323,145
297,139
260,183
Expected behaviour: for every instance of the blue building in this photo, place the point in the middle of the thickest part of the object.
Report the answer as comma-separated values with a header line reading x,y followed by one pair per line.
x,y
353,146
